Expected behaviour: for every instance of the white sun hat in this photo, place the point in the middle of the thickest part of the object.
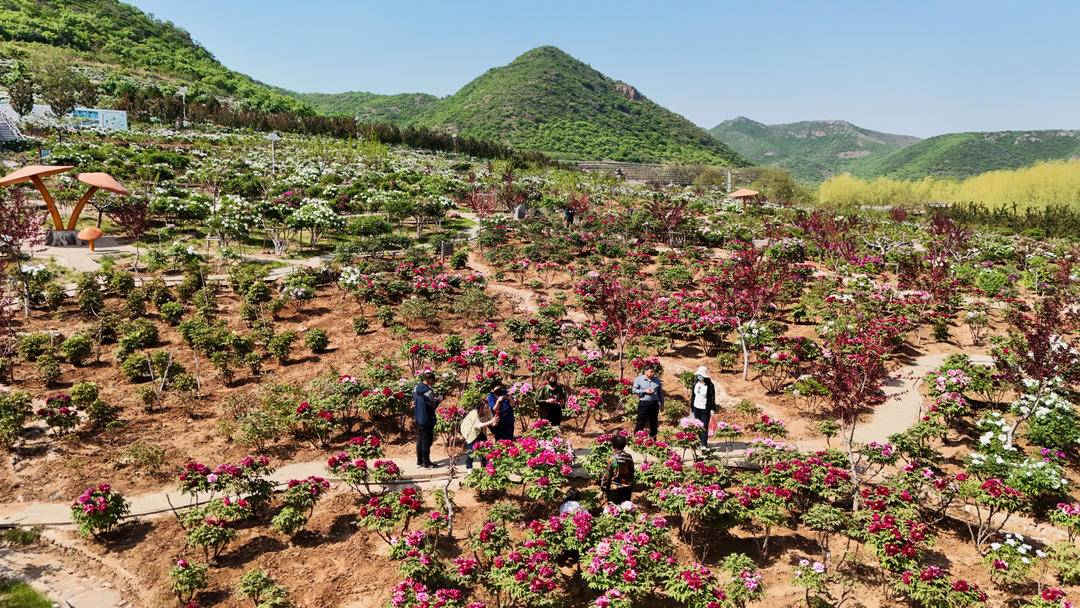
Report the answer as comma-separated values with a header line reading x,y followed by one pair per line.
x,y
702,371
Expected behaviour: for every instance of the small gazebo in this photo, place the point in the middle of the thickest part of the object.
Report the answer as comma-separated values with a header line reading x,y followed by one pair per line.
x,y
33,174
744,194
61,235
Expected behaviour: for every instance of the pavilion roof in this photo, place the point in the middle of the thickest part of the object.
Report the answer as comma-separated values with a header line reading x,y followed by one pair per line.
x,y
103,181
743,193
30,171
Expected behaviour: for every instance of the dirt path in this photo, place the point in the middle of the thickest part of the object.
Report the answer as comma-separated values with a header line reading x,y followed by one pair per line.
x,y
66,580
899,412
95,590
904,401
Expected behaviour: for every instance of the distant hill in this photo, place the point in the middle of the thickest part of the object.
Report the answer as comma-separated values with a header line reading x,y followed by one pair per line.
x,y
401,109
114,41
961,155
811,150
548,101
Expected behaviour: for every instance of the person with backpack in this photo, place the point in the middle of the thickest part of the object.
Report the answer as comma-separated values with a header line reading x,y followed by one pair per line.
x,y
424,403
473,428
502,407
551,398
703,401
617,482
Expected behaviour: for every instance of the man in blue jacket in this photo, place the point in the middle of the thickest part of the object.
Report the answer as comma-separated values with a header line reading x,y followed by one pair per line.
x,y
424,403
650,394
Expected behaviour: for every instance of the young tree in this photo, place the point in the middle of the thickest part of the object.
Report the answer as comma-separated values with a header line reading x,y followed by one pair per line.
x,y
64,88
1037,354
745,288
852,368
480,202
627,310
133,215
20,85
20,230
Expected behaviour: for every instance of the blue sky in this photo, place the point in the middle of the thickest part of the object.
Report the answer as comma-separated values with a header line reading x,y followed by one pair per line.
x,y
914,67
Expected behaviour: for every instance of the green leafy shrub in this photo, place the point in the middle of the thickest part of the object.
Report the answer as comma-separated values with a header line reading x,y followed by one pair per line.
x,y
459,259
261,588
55,296
32,346
474,305
205,301
48,367
172,312
385,315
316,340
138,334
119,282
107,328
361,325
77,349
187,580
280,346
15,410
135,304
289,521
88,294
148,458
418,312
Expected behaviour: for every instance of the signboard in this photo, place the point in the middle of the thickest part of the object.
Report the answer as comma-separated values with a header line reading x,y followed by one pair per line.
x,y
109,120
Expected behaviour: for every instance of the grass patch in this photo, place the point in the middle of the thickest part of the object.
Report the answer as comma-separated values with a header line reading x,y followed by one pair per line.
x,y
17,594
20,537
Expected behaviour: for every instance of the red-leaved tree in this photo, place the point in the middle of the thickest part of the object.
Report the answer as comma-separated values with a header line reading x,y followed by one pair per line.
x,y
852,368
746,288
20,230
627,310
133,215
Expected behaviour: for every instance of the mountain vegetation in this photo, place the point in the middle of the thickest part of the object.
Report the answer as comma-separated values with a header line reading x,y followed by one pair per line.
x,y
962,155
811,150
548,101
122,49
401,109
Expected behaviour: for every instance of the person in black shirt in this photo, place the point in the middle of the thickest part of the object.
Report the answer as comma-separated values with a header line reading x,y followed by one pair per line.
x,y
551,398
424,403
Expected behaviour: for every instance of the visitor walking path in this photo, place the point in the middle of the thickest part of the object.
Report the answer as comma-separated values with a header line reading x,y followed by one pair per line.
x,y
900,411
904,403
82,590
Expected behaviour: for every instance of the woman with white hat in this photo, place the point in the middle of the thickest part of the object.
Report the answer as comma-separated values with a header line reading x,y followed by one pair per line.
x,y
703,401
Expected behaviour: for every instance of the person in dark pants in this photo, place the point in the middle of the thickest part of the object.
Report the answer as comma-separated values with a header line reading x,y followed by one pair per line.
x,y
703,401
424,403
568,216
502,407
618,480
650,394
551,398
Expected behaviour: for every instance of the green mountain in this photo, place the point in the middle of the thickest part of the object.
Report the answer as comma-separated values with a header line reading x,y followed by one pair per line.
x,y
401,109
961,155
811,150
117,43
546,100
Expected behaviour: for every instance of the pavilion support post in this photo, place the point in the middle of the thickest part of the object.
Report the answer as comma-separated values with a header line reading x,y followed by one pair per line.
x,y
74,219
58,223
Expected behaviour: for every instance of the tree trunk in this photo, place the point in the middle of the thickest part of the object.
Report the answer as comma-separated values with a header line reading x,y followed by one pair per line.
x,y
745,357
853,463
